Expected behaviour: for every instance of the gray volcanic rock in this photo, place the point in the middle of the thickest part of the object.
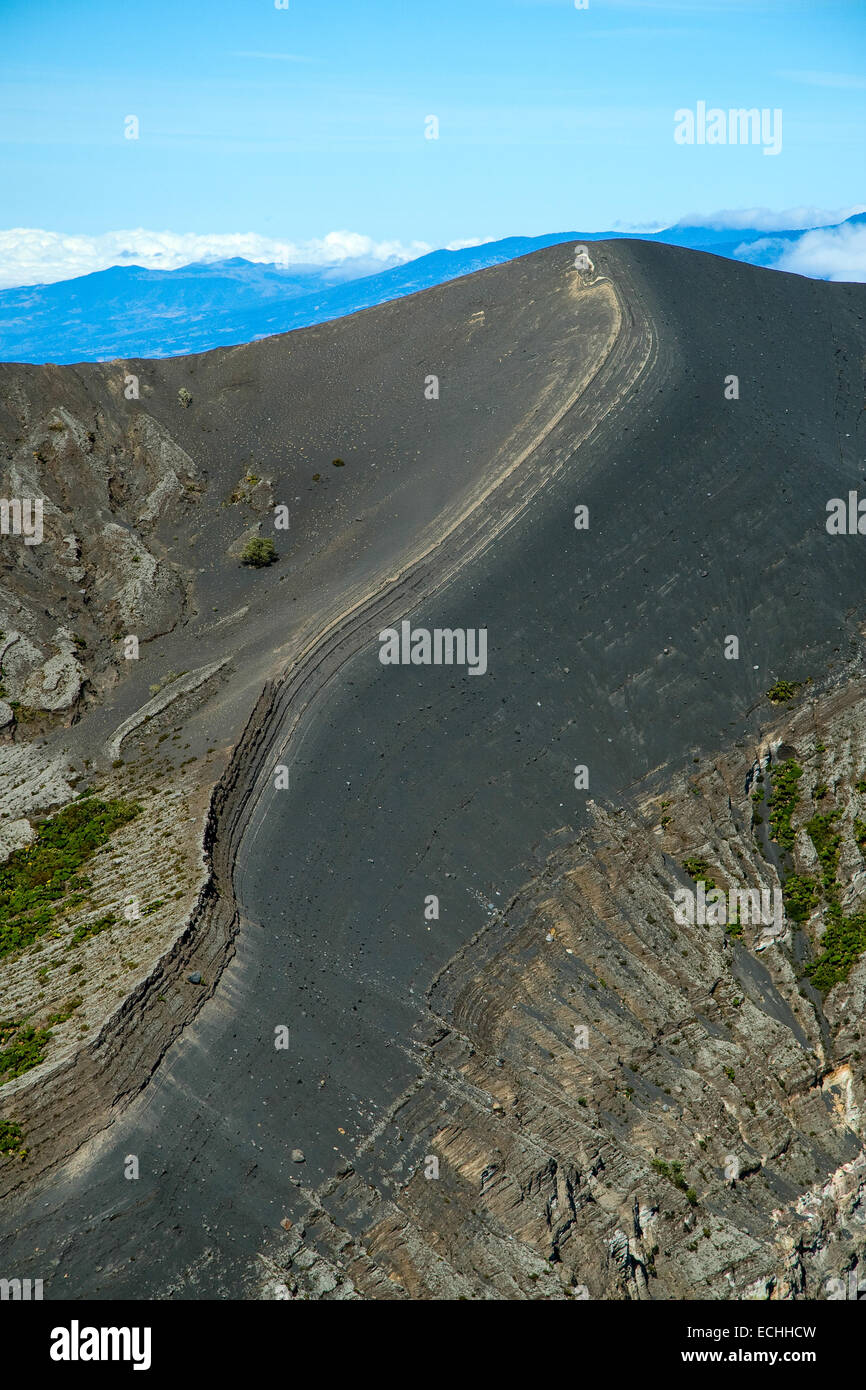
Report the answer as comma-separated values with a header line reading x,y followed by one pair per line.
x,y
150,596
707,1141
56,685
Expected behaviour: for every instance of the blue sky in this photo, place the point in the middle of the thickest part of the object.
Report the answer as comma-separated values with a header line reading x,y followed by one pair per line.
x,y
293,123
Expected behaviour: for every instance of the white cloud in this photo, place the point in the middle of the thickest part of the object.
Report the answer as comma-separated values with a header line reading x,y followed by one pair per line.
x,y
29,256
639,228
765,220
837,253
467,242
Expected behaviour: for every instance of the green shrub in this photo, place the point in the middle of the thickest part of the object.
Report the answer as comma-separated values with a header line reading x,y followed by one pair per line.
x,y
827,841
699,870
801,896
12,1139
784,796
673,1172
843,943
258,552
783,691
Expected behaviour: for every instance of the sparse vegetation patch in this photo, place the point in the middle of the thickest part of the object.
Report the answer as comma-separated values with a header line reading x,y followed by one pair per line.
x,y
35,880
12,1139
22,1045
784,796
784,691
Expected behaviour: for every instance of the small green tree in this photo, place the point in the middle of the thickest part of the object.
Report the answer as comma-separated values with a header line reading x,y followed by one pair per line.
x,y
783,692
259,552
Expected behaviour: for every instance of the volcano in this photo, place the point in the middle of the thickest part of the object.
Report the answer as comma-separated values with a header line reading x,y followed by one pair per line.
x,y
414,1019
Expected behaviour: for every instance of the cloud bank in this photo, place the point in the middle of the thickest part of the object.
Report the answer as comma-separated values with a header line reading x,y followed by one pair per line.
x,y
828,253
29,256
766,220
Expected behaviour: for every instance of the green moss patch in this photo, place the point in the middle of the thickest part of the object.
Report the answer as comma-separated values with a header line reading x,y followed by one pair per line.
x,y
89,929
34,880
12,1139
23,1045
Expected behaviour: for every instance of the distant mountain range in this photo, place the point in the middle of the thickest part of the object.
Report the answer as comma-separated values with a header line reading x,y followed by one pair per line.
x,y
128,311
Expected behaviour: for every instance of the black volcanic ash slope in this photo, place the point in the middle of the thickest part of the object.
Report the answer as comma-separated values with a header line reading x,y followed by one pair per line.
x,y
154,476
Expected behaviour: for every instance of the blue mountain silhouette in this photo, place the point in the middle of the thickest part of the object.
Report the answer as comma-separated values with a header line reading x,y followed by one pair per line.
x,y
128,311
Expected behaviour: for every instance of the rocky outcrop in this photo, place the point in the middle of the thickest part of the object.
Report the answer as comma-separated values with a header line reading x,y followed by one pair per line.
x,y
616,1104
102,483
